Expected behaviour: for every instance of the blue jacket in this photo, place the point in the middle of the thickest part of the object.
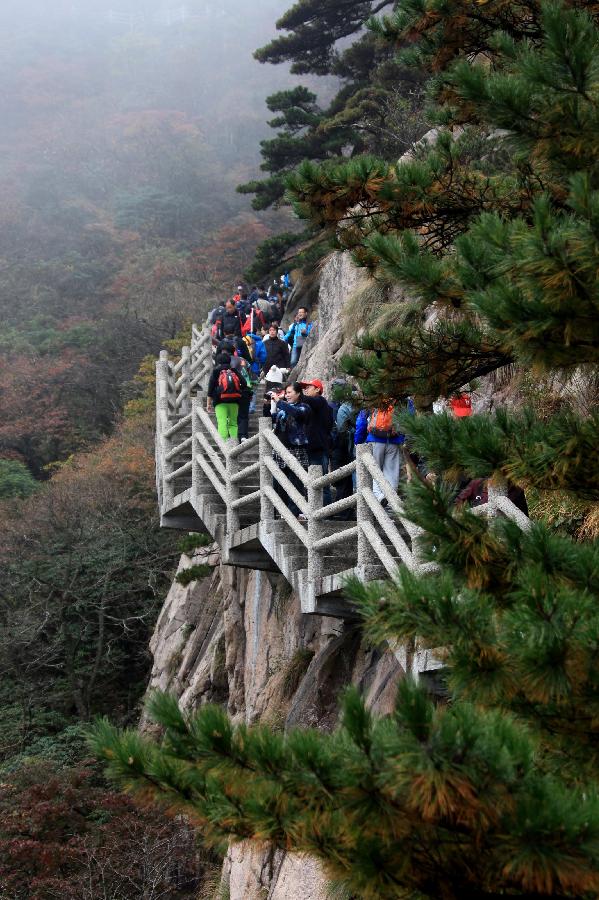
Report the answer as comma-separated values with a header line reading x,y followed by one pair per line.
x,y
299,331
290,423
362,429
258,363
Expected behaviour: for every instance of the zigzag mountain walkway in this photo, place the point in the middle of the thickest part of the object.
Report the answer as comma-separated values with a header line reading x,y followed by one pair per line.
x,y
227,490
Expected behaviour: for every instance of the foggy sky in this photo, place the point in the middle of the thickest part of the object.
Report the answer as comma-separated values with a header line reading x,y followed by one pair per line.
x,y
194,56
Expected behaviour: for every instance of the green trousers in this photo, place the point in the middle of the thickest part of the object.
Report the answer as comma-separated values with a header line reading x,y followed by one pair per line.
x,y
226,419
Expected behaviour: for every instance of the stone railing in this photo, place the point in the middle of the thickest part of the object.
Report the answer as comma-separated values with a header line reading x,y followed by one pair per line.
x,y
235,492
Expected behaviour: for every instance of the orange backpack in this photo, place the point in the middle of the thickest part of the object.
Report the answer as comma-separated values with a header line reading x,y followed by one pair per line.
x,y
380,423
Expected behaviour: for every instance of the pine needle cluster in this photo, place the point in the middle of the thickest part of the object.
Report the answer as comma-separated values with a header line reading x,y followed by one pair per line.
x,y
493,228
430,802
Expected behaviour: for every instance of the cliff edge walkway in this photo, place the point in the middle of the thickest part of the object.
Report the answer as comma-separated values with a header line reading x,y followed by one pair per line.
x,y
227,490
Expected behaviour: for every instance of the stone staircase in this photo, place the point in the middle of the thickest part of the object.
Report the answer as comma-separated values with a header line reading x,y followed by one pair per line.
x,y
227,490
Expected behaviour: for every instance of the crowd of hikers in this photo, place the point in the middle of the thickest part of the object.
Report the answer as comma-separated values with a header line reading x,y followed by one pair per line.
x,y
251,347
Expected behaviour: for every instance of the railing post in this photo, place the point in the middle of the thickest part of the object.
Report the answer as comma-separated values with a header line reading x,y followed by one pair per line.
x,y
162,424
171,393
363,512
496,487
267,510
233,490
196,344
209,347
196,471
185,404
315,502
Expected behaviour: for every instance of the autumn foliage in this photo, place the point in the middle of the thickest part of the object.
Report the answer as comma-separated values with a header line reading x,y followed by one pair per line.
x,y
65,834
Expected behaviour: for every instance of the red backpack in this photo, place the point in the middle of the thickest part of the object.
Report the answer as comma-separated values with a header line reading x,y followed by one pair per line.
x,y
380,423
228,386
461,405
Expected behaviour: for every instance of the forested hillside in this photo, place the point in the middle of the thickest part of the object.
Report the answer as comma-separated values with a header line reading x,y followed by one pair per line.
x,y
478,251
124,133
123,138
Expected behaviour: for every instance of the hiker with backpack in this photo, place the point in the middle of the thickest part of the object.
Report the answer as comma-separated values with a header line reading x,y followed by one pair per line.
x,y
243,304
240,366
279,305
379,427
216,314
233,345
257,354
216,323
224,395
265,309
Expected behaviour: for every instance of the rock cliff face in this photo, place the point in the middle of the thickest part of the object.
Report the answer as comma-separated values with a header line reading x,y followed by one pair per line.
x,y
238,637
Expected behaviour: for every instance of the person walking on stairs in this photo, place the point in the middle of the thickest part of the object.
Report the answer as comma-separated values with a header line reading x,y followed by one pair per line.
x,y
233,320
379,428
291,417
277,351
233,345
239,365
224,396
297,335
343,447
320,429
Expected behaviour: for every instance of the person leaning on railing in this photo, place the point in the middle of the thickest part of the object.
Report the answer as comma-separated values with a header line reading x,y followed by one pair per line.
x,y
291,417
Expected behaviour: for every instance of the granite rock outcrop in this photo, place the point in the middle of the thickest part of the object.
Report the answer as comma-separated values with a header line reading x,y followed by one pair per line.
x,y
237,637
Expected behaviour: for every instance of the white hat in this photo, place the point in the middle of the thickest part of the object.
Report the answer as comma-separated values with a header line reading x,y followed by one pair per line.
x,y
275,375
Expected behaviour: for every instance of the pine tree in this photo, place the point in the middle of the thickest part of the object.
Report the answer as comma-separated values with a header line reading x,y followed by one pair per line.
x,y
496,232
314,29
328,39
494,229
299,114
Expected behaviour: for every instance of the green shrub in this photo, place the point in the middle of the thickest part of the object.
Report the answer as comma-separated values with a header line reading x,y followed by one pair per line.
x,y
15,479
193,541
193,573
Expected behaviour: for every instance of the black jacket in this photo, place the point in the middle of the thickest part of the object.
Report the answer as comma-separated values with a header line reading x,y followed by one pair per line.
x,y
320,425
277,353
291,423
232,322
237,345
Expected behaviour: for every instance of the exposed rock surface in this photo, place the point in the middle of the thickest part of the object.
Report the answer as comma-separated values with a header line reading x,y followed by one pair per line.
x,y
238,637
339,278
